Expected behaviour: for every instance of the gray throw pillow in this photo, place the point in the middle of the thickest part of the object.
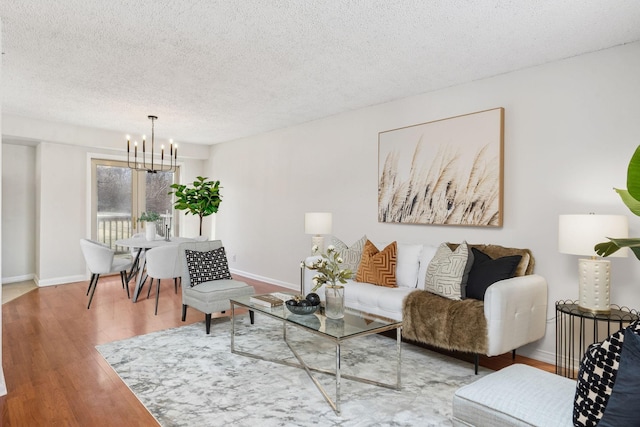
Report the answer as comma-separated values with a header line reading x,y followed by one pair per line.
x,y
351,255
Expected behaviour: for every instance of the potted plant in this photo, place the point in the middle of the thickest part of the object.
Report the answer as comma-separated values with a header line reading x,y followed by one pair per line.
x,y
149,218
631,198
202,198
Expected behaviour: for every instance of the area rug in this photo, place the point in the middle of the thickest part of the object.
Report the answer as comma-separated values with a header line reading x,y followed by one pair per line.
x,y
186,378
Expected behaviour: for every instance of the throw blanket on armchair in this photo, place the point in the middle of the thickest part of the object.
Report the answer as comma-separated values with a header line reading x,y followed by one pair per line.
x,y
452,325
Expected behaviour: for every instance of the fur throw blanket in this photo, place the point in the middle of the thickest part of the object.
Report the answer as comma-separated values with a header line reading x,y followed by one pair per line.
x,y
441,322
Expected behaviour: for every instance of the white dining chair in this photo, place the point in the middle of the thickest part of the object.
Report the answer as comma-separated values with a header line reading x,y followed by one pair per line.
x,y
163,262
101,259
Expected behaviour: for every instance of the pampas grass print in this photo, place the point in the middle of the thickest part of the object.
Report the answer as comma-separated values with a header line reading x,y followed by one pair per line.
x,y
445,192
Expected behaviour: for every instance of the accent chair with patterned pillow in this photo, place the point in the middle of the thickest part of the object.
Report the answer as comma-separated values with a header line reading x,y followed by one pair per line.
x,y
206,282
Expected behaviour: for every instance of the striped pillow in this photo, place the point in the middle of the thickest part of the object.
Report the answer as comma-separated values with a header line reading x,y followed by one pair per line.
x,y
378,267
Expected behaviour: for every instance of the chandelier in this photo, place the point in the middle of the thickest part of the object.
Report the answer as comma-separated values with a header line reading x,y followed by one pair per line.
x,y
151,165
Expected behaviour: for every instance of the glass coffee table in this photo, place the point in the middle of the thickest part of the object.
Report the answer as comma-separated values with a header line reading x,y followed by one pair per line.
x,y
354,324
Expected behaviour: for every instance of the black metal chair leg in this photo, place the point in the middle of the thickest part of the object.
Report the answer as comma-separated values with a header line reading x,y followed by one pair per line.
x,y
251,316
476,360
93,290
184,312
90,283
175,284
513,354
157,296
125,284
207,322
150,286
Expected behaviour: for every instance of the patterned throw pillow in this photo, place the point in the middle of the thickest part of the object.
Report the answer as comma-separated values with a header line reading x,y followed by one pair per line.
x,y
207,266
448,271
378,267
597,376
622,408
351,255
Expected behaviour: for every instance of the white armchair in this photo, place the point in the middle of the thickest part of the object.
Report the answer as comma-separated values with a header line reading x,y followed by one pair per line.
x,y
163,262
100,260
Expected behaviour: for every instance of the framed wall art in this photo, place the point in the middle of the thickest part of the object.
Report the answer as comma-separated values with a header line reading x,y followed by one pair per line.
x,y
445,172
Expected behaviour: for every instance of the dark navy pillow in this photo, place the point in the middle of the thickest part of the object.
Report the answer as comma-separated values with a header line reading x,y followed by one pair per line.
x,y
623,408
485,271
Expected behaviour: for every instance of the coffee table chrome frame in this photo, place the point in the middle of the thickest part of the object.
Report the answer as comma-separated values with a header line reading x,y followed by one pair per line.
x,y
335,404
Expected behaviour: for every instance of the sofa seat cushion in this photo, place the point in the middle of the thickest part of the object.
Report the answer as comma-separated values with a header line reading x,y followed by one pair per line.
x,y
374,299
450,324
518,395
215,290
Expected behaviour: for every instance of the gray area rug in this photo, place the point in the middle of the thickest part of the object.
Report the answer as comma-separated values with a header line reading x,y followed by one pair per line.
x,y
186,378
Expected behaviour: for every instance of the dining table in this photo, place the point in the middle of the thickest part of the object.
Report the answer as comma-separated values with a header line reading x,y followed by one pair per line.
x,y
139,263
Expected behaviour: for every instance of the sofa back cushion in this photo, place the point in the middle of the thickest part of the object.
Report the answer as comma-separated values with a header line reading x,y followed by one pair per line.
x,y
426,255
378,267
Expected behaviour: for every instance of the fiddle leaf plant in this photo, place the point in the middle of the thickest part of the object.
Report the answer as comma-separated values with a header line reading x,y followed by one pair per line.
x,y
631,198
201,198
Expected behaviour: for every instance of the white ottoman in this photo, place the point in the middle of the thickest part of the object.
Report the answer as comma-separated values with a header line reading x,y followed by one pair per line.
x,y
518,395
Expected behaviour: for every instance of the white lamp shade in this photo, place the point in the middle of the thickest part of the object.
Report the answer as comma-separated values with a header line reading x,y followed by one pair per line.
x,y
578,234
317,223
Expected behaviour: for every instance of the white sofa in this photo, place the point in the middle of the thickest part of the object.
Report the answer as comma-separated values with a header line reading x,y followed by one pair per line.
x,y
515,309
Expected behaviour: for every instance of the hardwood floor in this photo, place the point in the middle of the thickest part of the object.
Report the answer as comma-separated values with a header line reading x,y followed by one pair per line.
x,y
54,374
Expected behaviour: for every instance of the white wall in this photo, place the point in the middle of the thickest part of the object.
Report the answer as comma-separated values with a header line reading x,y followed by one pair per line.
x,y
18,212
3,384
570,129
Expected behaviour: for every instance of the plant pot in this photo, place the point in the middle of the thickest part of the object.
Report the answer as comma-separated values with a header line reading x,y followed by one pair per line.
x,y
334,301
150,230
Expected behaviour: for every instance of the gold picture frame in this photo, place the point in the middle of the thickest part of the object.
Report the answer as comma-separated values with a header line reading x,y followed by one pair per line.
x,y
445,172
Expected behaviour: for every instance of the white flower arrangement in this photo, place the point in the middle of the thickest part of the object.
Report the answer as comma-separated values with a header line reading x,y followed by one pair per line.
x,y
328,267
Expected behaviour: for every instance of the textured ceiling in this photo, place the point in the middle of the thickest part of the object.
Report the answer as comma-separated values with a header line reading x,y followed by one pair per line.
x,y
219,70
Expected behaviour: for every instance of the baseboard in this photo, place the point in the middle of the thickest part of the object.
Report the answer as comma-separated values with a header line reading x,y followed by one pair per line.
x,y
541,355
295,287
59,280
16,279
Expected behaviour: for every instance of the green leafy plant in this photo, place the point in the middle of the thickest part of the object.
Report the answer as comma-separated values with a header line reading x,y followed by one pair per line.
x,y
201,198
149,217
328,267
631,198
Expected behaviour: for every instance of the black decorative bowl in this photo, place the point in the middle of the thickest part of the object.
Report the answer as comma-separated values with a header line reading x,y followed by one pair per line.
x,y
302,309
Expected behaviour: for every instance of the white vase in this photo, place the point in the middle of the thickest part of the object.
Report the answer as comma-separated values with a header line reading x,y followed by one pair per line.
x,y
150,230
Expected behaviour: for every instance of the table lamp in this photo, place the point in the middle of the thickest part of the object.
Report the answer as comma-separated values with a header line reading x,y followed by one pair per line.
x,y
577,235
317,223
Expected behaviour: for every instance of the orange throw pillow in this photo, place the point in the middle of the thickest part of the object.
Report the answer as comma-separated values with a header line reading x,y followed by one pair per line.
x,y
378,267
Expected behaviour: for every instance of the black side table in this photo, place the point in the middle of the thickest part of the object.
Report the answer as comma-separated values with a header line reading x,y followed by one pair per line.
x,y
577,329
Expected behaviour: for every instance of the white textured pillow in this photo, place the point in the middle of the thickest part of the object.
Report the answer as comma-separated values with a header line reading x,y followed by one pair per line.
x,y
351,255
448,270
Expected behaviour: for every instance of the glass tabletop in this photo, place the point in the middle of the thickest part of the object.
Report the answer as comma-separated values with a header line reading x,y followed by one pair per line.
x,y
353,324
